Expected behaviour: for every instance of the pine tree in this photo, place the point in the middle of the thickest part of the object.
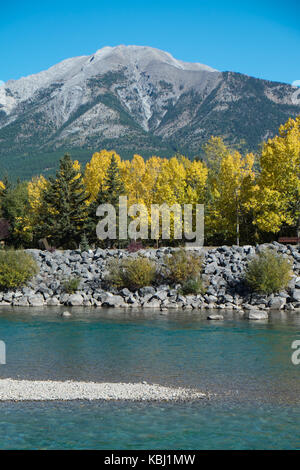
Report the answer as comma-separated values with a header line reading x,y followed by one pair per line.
x,y
110,190
64,211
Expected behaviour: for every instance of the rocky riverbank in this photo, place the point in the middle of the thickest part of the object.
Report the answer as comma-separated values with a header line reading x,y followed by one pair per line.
x,y
223,271
36,390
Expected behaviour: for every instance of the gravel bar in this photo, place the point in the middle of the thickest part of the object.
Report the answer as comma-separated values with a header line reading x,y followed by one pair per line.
x,y
31,390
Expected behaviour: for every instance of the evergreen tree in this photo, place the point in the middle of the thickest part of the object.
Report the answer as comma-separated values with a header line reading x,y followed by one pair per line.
x,y
110,191
63,217
14,207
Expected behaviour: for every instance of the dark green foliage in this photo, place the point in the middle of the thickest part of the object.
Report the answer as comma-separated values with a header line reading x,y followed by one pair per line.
x,y
64,212
84,243
268,272
14,204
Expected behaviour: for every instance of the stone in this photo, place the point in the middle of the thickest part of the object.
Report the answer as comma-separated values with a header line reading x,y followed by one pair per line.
x,y
66,314
36,300
215,317
75,300
152,304
52,301
148,290
21,302
113,301
256,315
295,295
277,303
7,296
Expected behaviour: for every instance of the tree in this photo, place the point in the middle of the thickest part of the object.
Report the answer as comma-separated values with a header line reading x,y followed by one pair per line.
x,y
15,209
63,213
96,170
232,189
110,189
215,150
277,199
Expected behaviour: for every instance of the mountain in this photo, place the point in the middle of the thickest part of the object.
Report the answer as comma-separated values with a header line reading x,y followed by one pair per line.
x,y
135,100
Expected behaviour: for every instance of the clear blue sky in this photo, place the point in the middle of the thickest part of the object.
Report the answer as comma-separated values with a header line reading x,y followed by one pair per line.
x,y
259,38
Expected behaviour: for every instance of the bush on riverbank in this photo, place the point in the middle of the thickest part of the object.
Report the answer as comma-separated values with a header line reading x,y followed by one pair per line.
x,y
16,268
193,287
183,266
132,273
268,272
71,285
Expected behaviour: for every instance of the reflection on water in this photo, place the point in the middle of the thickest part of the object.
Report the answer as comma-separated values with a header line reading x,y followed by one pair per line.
x,y
234,358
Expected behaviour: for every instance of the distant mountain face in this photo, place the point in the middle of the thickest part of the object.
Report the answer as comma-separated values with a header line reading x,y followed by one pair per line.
x,y
135,100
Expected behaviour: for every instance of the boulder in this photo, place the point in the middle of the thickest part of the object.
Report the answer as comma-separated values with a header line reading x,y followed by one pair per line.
x,y
277,303
75,300
52,301
21,302
66,314
296,295
256,315
36,300
113,301
153,303
215,317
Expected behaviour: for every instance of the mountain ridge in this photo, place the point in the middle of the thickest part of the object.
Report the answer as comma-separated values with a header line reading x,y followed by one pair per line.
x,y
134,99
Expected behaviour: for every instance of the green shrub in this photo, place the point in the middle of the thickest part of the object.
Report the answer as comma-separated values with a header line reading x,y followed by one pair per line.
x,y
193,286
183,265
268,272
71,285
132,273
16,268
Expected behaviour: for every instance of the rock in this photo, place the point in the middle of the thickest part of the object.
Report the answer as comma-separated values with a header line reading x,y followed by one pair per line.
x,y
215,317
75,300
256,315
153,303
114,301
295,295
52,301
36,300
148,290
277,303
7,296
21,302
66,314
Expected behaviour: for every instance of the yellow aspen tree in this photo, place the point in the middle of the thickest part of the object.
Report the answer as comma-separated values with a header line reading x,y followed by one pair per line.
x,y
215,150
277,198
96,169
232,190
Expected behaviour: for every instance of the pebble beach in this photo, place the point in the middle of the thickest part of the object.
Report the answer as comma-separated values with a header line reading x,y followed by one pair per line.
x,y
31,390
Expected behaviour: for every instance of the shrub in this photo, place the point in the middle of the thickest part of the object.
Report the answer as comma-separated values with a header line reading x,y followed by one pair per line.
x,y
183,265
268,272
71,285
132,273
16,268
84,243
193,286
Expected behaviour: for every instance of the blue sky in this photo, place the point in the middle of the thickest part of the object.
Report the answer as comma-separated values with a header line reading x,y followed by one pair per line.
x,y
259,38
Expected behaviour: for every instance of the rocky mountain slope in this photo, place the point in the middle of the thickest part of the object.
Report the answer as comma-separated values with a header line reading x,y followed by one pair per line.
x,y
136,100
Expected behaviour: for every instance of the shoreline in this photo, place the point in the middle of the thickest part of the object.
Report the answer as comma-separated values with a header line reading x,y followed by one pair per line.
x,y
222,275
50,390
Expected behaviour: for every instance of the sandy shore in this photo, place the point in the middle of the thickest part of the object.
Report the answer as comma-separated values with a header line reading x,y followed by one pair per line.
x,y
31,390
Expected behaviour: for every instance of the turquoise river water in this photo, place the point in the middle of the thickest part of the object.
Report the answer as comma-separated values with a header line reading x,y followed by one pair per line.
x,y
246,367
